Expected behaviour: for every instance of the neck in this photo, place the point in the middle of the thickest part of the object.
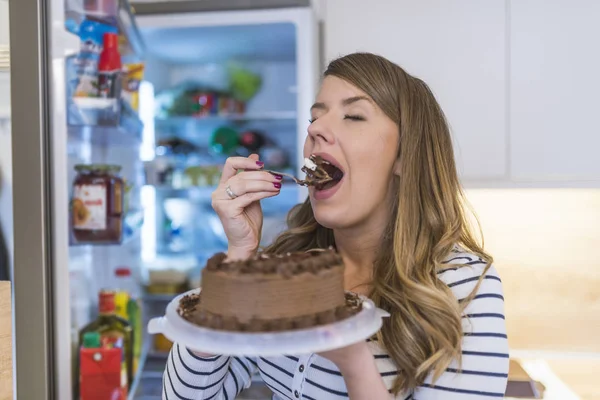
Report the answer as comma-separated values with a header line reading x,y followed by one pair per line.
x,y
358,248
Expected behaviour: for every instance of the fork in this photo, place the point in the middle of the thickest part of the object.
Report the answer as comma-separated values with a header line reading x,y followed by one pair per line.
x,y
298,181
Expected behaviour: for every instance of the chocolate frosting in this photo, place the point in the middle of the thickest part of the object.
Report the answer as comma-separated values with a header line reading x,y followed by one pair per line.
x,y
271,296
271,287
284,265
189,309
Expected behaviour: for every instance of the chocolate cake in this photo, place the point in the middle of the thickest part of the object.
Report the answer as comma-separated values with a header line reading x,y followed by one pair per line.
x,y
320,172
271,293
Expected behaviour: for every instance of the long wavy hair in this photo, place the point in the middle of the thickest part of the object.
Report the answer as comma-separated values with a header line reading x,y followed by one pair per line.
x,y
428,219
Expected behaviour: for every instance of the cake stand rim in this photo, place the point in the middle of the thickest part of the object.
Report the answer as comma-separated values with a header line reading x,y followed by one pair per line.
x,y
330,336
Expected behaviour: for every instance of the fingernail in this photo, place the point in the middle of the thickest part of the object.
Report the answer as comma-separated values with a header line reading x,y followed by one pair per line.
x,y
260,163
277,185
278,177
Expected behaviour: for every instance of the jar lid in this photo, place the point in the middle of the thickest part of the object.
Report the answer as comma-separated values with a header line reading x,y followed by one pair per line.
x,y
105,168
122,272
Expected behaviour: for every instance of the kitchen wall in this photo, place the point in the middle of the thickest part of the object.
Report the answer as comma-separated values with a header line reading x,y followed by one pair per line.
x,y
545,243
516,79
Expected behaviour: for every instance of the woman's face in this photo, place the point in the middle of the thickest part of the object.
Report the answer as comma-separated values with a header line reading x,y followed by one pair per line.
x,y
349,130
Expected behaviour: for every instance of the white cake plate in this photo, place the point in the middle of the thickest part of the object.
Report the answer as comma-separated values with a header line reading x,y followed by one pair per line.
x,y
302,341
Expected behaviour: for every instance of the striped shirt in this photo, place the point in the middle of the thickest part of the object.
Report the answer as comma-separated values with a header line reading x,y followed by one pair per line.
x,y
484,372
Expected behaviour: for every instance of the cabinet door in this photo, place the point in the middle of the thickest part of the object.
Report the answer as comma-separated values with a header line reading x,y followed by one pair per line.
x,y
555,82
458,47
3,22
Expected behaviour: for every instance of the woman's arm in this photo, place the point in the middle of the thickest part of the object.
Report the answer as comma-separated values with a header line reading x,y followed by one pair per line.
x,y
189,376
362,376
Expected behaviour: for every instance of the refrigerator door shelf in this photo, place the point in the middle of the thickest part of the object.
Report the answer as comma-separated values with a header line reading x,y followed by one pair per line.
x,y
113,12
132,226
103,122
303,341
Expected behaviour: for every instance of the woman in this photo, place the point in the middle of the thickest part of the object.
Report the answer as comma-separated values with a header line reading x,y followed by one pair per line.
x,y
397,219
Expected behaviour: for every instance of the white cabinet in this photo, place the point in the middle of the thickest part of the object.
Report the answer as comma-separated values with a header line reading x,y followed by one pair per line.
x,y
3,22
555,91
458,47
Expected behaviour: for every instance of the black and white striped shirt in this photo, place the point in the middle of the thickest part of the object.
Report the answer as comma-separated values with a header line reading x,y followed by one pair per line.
x,y
484,371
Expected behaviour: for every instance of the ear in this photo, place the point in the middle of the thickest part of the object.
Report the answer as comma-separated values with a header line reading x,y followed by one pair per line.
x,y
396,169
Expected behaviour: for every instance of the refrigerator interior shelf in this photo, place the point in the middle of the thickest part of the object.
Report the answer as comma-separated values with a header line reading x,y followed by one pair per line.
x,y
121,16
240,118
287,198
103,122
151,375
194,193
161,355
158,298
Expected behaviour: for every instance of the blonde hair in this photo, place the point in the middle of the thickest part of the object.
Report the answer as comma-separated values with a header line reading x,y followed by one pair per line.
x,y
428,218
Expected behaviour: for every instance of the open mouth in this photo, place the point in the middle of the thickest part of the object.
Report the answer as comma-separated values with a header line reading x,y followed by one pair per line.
x,y
335,175
320,173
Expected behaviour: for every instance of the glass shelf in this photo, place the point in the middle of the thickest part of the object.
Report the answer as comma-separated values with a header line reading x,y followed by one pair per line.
x,y
287,196
103,122
158,298
234,118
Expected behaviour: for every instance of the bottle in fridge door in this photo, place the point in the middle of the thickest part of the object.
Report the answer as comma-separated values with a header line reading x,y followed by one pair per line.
x,y
109,68
115,333
100,376
127,305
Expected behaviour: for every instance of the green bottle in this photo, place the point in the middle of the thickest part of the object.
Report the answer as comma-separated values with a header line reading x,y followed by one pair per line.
x,y
113,331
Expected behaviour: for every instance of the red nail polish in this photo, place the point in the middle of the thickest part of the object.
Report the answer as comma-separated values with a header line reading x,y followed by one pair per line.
x,y
277,185
260,163
278,177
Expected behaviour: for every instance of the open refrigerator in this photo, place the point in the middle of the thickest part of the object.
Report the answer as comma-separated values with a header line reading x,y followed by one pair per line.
x,y
214,84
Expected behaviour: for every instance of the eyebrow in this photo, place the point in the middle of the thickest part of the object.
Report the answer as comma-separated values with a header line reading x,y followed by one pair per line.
x,y
345,102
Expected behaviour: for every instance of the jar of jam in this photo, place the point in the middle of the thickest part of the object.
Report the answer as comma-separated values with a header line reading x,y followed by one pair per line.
x,y
97,205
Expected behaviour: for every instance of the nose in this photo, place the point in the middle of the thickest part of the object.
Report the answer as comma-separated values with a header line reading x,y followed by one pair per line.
x,y
320,131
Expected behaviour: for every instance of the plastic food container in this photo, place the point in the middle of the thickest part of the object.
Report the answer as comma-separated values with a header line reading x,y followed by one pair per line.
x,y
101,8
302,341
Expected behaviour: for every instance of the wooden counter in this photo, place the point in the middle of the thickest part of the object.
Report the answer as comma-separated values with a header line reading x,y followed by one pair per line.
x,y
6,383
565,378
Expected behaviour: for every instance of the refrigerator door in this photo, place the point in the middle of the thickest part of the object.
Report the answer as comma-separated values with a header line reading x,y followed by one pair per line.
x,y
32,208
40,47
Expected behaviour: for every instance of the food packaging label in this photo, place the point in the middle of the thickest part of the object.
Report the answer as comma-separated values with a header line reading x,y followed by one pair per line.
x,y
89,207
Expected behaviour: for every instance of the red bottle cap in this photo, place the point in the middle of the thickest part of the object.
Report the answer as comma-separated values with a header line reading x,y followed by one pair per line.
x,y
110,40
122,272
106,302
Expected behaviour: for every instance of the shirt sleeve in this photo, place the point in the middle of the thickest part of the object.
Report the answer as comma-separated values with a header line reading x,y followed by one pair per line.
x,y
483,374
188,376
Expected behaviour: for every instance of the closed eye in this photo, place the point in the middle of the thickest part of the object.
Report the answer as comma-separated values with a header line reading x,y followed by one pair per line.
x,y
354,117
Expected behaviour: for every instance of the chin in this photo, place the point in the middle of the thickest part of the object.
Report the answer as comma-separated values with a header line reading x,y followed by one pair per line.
x,y
330,217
